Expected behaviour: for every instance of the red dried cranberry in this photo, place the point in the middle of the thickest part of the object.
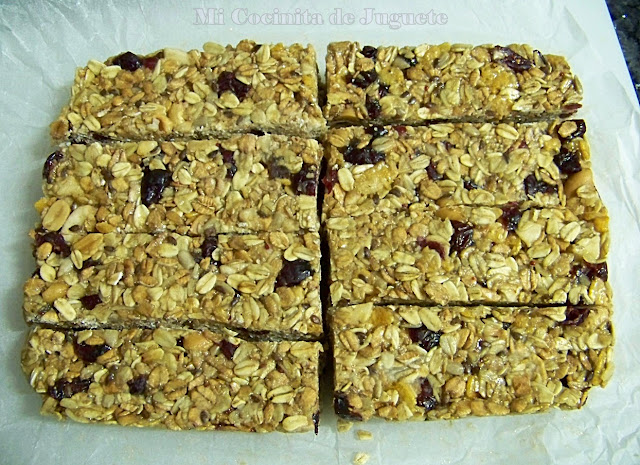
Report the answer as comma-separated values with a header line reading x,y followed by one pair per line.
x,y
462,236
570,109
227,82
511,59
425,397
90,262
138,385
401,130
48,170
153,184
567,162
376,131
363,156
574,316
257,132
90,353
425,338
592,271
128,61
58,244
228,349
532,186
293,273
150,62
277,171
370,52
342,407
229,162
180,341
432,172
64,389
470,185
581,129
510,216
364,79
373,108
208,246
383,90
330,179
304,181
90,301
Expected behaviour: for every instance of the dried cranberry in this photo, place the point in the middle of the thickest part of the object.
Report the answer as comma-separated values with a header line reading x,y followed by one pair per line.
x,y
532,186
58,244
462,236
401,130
370,52
64,389
277,171
383,89
50,164
342,407
293,273
470,185
574,316
90,301
153,184
376,131
592,271
425,397
373,108
227,82
410,61
364,79
570,109
90,353
304,181
208,246
138,385
228,349
316,422
90,262
510,216
425,338
363,156
180,341
150,62
432,172
581,129
330,179
567,162
230,162
257,132
438,247
128,61
511,59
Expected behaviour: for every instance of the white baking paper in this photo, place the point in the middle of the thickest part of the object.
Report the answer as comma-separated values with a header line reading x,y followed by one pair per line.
x,y
41,43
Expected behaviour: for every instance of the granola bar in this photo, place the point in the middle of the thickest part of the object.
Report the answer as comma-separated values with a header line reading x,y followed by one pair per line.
x,y
176,379
256,282
469,254
385,168
201,93
243,184
426,363
455,82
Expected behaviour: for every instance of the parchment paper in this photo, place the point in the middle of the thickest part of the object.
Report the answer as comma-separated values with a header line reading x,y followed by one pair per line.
x,y
41,43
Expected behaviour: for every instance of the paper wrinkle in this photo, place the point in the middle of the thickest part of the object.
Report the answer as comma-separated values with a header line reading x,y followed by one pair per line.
x,y
41,43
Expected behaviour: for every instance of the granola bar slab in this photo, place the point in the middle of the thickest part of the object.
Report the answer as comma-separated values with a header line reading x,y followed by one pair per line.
x,y
458,82
469,254
257,282
177,379
246,183
385,168
201,93
425,363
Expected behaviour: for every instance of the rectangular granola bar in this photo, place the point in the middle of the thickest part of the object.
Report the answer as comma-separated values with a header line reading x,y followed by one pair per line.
x,y
177,379
257,282
243,184
469,254
201,93
426,363
385,168
455,82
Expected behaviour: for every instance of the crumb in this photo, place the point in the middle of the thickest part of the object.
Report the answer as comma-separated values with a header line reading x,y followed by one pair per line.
x,y
364,435
344,426
360,458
